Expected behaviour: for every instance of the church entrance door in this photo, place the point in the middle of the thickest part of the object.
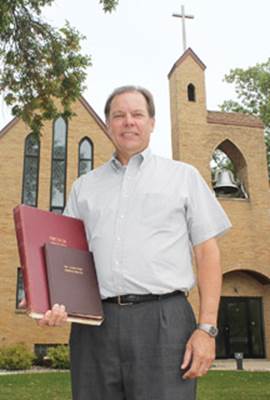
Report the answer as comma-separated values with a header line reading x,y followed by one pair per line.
x,y
241,329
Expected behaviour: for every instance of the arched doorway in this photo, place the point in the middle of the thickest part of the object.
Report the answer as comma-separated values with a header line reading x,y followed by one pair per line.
x,y
241,315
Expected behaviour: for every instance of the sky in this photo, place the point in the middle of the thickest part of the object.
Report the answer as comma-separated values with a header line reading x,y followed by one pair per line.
x,y
140,41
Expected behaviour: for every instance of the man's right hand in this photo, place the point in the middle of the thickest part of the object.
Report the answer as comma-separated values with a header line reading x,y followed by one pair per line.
x,y
57,316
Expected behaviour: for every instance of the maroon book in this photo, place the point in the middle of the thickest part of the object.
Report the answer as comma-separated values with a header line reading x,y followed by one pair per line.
x,y
34,228
72,281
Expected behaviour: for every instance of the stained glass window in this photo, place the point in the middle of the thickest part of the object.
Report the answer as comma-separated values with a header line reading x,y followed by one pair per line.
x,y
20,288
31,170
85,156
59,163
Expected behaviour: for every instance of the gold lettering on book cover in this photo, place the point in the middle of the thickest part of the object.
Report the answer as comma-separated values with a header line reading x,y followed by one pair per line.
x,y
58,241
72,269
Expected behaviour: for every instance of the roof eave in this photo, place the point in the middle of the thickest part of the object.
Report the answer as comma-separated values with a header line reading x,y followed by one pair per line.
x,y
187,53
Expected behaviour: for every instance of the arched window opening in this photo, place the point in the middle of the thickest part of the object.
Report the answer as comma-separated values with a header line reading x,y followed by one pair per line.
x,y
85,156
229,171
31,171
191,92
59,163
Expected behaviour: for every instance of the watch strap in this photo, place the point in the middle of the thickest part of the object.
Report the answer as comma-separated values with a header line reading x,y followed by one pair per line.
x,y
208,328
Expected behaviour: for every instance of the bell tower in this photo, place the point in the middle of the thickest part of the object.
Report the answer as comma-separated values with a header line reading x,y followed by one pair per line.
x,y
188,108
198,136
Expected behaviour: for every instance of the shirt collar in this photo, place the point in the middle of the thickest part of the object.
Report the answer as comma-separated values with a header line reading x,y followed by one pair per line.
x,y
141,159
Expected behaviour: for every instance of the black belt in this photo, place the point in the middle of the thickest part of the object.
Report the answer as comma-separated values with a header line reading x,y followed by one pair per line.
x,y
129,299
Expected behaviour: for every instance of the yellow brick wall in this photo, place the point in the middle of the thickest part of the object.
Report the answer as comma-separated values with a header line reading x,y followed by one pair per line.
x,y
16,326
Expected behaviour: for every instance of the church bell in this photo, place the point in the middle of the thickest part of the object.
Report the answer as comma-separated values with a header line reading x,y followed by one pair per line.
x,y
225,182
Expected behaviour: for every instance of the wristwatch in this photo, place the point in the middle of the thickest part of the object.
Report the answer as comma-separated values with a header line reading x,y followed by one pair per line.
x,y
210,329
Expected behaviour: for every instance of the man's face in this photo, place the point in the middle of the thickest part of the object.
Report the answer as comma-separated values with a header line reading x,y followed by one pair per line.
x,y
129,124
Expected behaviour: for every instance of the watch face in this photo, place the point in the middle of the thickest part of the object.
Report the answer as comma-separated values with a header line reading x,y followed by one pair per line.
x,y
213,331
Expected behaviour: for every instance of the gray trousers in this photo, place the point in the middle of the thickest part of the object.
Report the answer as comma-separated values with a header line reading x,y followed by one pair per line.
x,y
135,355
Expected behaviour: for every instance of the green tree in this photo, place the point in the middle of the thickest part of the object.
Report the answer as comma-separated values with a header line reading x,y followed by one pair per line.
x,y
220,161
42,69
252,86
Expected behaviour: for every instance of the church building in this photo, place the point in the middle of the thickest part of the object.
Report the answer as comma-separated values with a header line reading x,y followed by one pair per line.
x,y
40,174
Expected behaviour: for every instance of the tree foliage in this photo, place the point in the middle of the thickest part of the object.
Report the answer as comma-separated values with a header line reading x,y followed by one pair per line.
x,y
109,5
252,86
221,161
42,69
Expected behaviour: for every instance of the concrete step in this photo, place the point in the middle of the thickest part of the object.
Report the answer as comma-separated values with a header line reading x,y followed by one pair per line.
x,y
248,365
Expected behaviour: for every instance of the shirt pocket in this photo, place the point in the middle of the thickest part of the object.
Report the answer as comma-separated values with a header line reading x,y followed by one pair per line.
x,y
157,210
96,215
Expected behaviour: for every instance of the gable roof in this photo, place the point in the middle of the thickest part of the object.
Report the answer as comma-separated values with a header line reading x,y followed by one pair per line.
x,y
9,125
234,118
96,117
84,103
188,53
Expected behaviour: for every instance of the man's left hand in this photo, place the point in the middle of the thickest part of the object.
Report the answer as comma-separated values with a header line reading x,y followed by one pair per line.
x,y
199,354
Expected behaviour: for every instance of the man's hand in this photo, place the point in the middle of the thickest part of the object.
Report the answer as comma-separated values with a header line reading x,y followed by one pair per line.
x,y
199,354
200,349
57,316
22,304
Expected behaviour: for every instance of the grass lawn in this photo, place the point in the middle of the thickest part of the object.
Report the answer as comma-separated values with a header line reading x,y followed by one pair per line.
x,y
217,385
36,386
238,385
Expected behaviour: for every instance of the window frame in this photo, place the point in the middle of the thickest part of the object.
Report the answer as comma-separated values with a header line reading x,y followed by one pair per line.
x,y
24,170
191,92
85,138
19,286
59,209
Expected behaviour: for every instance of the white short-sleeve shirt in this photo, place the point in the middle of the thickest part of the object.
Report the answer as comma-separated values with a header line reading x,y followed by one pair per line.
x,y
142,221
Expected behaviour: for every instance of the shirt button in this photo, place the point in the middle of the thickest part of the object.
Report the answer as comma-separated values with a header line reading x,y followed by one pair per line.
x,y
122,216
118,238
116,262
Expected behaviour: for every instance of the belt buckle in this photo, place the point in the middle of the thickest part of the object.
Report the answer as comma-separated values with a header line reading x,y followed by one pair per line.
x,y
121,303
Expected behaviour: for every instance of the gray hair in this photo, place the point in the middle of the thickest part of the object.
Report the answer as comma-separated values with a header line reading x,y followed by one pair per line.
x,y
127,89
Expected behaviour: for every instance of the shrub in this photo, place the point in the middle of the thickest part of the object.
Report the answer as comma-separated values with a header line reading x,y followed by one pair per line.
x,y
15,357
59,357
2,361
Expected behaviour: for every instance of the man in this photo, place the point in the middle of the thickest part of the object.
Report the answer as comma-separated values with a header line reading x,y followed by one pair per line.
x,y
145,216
